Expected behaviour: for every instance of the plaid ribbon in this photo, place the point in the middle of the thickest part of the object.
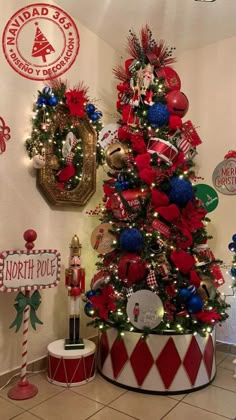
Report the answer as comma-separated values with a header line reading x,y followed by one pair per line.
x,y
151,279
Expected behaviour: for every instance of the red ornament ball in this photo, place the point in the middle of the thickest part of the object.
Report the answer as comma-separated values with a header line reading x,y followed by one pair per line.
x,y
177,103
30,235
131,269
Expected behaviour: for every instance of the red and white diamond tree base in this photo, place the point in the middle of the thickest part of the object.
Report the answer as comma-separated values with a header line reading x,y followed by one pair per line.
x,y
162,364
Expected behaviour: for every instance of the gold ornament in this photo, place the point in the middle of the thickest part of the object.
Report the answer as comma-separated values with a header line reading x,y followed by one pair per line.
x,y
53,162
116,155
206,289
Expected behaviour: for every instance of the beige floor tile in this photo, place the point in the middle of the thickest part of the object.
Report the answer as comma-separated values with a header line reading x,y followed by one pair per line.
x,y
224,379
216,400
67,405
177,397
100,390
144,406
227,363
110,414
8,410
45,390
220,356
186,412
26,416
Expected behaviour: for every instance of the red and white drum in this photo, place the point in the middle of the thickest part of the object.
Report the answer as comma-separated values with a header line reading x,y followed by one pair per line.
x,y
71,367
164,149
161,364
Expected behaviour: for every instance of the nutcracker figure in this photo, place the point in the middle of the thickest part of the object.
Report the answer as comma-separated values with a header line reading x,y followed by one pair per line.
x,y
75,284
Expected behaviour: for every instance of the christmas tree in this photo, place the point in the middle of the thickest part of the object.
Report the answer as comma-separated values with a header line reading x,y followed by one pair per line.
x,y
42,46
156,272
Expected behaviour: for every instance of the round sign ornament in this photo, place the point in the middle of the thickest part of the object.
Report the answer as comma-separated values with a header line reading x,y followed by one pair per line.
x,y
145,309
208,196
40,41
224,176
102,239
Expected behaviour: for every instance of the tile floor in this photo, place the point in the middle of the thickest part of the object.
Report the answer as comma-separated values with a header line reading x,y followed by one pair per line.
x,y
99,400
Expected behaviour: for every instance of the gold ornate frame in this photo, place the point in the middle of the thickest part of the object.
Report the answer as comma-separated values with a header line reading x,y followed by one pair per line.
x,y
87,186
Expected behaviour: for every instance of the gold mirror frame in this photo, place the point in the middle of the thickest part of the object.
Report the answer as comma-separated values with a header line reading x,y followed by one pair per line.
x,y
80,195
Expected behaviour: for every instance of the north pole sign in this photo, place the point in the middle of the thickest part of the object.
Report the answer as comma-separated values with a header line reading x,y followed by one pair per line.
x,y
29,270
40,41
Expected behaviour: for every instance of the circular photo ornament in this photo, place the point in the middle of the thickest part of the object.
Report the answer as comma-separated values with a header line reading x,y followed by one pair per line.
x,y
208,196
145,309
102,239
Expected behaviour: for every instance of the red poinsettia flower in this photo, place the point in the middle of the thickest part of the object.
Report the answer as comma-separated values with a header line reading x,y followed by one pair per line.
x,y
75,100
104,302
208,316
124,133
184,239
191,216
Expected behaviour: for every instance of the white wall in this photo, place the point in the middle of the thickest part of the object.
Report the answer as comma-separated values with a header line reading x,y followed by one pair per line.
x,y
208,80
22,205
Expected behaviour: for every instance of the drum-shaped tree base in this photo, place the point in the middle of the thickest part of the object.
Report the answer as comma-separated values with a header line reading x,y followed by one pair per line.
x,y
161,364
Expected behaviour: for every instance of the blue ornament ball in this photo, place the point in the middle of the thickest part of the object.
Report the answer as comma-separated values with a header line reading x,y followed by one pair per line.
x,y
90,293
131,240
233,271
181,191
195,304
90,108
87,309
158,115
94,116
234,237
41,101
52,101
184,294
47,90
232,246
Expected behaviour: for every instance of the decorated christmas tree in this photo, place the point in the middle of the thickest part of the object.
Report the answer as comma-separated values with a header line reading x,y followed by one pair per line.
x,y
156,273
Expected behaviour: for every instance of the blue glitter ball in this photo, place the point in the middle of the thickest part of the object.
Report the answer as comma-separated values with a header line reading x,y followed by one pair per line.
x,y
52,101
47,90
233,271
41,101
195,304
181,191
95,116
158,115
232,246
131,240
234,237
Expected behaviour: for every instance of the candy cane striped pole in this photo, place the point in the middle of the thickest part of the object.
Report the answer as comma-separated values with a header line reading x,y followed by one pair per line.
x,y
25,340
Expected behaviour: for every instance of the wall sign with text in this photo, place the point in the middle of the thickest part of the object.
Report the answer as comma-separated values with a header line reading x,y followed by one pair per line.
x,y
40,41
29,270
224,176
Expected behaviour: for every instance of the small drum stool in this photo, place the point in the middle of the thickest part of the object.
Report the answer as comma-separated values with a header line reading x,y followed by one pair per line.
x,y
71,367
